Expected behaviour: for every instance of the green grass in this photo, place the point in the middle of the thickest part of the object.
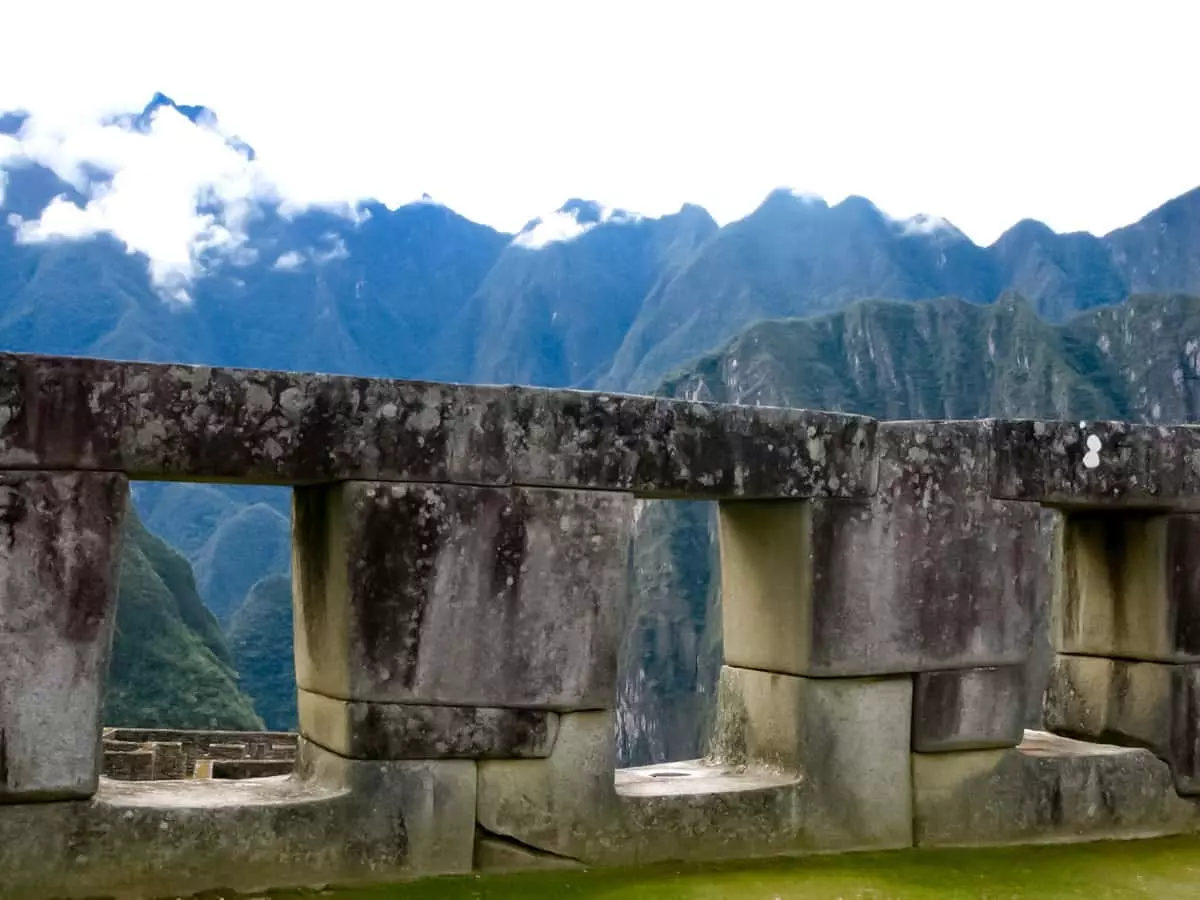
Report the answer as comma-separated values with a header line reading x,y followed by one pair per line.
x,y
1165,867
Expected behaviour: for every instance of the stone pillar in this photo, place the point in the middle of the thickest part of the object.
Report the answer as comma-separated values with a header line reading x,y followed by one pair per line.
x,y
1127,632
929,576
857,632
59,552
440,625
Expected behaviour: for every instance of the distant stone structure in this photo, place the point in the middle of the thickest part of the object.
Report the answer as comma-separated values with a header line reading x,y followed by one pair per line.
x,y
154,754
895,595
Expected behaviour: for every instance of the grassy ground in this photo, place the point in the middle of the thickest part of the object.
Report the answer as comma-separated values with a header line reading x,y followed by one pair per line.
x,y
1166,868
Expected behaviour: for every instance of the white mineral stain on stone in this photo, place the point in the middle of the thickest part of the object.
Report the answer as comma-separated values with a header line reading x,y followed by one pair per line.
x,y
1091,459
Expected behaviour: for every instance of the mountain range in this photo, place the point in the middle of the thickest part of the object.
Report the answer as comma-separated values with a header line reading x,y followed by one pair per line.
x,y
593,297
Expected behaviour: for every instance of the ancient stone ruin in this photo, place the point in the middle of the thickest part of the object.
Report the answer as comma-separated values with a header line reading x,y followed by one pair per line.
x,y
155,754
895,596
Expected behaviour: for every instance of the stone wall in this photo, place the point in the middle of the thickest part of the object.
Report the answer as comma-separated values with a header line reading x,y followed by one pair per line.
x,y
152,754
896,595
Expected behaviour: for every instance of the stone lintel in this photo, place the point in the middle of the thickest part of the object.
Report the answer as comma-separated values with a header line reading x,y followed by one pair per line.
x,y
1096,464
402,731
175,422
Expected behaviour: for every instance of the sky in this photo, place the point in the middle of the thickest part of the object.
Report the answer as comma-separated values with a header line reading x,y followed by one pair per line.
x,y
1080,114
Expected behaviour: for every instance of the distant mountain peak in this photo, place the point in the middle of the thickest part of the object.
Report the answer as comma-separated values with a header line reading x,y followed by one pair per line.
x,y
201,116
571,220
928,224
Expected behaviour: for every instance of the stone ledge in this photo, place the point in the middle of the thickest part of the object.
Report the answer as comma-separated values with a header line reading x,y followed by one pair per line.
x,y
1133,703
335,821
1049,790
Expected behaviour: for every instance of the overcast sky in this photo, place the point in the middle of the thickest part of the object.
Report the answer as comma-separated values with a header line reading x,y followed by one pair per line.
x,y
1081,114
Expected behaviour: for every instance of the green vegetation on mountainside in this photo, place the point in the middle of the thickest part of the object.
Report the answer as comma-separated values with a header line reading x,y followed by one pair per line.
x,y
170,665
260,638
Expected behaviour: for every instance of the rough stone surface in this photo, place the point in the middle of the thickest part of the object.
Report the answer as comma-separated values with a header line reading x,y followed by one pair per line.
x,y
404,731
568,805
670,448
1049,790
449,595
181,422
1096,464
1129,586
1141,704
333,821
930,573
968,709
60,541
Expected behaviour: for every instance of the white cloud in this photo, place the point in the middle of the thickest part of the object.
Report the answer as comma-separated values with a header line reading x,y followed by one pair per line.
x,y
178,193
289,261
564,225
3,185
336,250
924,223
749,113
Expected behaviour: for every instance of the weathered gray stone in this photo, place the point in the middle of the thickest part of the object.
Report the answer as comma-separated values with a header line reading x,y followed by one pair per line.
x,y
404,731
129,765
334,820
968,709
669,448
930,573
572,805
60,538
1050,790
1129,586
1141,704
449,595
1096,464
183,422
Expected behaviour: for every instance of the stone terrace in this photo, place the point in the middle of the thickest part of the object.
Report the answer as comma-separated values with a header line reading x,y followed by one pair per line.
x,y
895,595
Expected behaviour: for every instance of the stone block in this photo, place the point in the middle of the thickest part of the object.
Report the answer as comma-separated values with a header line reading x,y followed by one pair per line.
x,y
129,765
968,709
657,447
432,801
459,596
1140,704
766,584
59,550
1048,791
1128,586
1099,464
930,573
405,731
170,761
